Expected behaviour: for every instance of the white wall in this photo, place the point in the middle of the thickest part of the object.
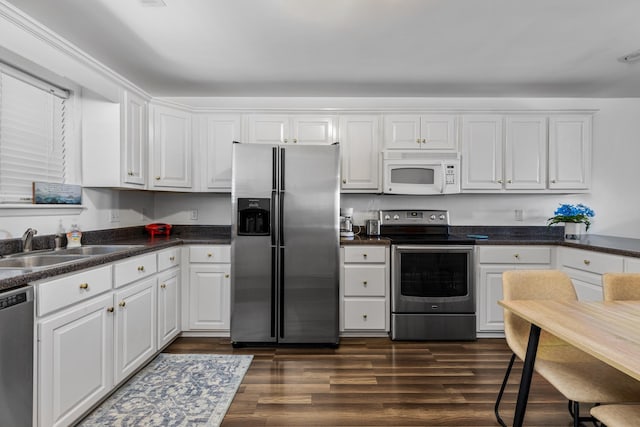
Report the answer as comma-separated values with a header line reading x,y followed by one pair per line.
x,y
99,205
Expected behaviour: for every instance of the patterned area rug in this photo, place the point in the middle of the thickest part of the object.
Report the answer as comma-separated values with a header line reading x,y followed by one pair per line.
x,y
175,390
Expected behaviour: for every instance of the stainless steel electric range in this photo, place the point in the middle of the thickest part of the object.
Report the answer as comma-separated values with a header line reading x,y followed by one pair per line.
x,y
432,280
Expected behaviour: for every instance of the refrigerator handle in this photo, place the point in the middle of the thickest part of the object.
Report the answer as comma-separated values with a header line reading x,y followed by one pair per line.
x,y
281,293
274,280
282,169
281,220
274,169
272,218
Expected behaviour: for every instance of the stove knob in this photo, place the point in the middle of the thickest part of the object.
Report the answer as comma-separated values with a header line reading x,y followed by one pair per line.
x,y
396,217
432,217
387,217
443,217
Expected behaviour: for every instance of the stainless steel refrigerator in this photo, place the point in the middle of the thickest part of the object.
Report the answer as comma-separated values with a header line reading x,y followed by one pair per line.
x,y
285,244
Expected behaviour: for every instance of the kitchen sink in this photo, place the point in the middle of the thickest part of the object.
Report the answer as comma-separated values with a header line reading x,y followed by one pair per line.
x,y
97,249
38,261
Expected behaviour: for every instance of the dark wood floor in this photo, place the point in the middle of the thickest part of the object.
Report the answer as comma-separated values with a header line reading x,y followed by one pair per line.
x,y
376,381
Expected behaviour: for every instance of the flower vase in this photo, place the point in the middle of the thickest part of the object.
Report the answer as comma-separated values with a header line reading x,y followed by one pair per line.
x,y
574,230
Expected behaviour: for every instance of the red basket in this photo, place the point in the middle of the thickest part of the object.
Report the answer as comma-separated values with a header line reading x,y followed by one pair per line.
x,y
158,229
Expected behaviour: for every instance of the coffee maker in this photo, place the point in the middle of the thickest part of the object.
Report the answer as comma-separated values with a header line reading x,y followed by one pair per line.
x,y
346,222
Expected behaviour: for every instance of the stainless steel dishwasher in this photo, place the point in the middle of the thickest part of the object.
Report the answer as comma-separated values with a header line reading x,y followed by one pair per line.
x,y
16,357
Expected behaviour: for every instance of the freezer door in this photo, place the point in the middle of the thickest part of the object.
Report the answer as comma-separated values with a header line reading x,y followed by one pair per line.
x,y
308,292
253,254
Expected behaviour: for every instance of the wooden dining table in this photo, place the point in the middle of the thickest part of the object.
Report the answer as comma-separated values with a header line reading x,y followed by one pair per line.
x,y
608,331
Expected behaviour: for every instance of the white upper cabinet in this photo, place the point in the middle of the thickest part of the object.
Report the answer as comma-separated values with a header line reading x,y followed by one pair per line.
x,y
114,141
217,133
521,153
360,152
525,153
570,152
291,129
426,132
482,152
135,138
170,149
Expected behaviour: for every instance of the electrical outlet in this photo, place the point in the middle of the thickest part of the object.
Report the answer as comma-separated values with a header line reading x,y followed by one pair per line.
x,y
519,214
114,215
193,215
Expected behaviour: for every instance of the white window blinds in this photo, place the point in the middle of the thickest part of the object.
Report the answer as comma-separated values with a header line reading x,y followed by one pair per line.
x,y
32,138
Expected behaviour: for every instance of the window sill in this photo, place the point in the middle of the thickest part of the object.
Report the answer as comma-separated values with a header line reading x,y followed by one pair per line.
x,y
17,209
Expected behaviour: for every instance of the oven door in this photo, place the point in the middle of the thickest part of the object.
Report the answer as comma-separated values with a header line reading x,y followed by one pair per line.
x,y
432,279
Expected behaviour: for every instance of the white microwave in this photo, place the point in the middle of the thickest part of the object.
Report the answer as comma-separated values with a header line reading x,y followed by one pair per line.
x,y
420,173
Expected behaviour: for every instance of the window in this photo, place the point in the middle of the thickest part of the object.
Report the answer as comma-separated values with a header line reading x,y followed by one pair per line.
x,y
32,135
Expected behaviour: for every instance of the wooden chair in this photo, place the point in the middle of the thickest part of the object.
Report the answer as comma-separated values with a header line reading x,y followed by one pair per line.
x,y
621,286
617,415
575,374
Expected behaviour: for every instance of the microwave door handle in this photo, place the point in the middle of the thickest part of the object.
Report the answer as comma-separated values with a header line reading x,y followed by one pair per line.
x,y
443,177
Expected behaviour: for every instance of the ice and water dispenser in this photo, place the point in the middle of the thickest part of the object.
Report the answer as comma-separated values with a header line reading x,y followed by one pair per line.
x,y
254,217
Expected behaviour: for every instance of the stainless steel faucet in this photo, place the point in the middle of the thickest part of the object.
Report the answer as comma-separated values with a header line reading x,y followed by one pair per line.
x,y
27,239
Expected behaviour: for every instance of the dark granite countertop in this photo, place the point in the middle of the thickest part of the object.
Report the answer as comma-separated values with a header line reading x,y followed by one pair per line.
x,y
530,235
209,235
364,240
221,235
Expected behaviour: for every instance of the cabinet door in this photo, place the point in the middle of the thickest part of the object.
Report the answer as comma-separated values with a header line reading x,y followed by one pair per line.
x,y
168,306
438,132
209,297
135,140
171,148
526,153
313,130
490,314
569,152
360,153
75,361
402,131
269,129
135,329
219,132
482,152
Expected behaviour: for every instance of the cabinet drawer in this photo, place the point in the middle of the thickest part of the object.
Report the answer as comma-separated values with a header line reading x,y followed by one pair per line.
x,y
364,313
210,254
593,262
168,258
365,253
364,280
58,293
632,265
514,255
135,268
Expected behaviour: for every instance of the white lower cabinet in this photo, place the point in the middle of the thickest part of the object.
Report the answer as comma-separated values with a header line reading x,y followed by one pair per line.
x,y
168,306
94,331
209,293
75,362
364,290
586,269
135,328
492,261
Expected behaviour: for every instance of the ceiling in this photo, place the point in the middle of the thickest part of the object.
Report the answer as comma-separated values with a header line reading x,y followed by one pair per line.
x,y
450,48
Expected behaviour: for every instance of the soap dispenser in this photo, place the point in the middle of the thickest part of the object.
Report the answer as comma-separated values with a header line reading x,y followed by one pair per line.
x,y
74,236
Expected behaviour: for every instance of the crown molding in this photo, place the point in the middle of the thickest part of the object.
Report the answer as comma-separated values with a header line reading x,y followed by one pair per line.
x,y
18,18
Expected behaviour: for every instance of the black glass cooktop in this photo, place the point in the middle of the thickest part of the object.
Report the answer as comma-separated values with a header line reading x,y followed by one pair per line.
x,y
429,239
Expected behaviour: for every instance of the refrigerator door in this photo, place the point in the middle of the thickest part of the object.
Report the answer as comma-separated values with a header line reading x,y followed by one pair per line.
x,y
253,279
308,291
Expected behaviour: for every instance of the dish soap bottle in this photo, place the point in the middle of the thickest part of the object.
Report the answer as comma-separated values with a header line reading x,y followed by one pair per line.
x,y
74,236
